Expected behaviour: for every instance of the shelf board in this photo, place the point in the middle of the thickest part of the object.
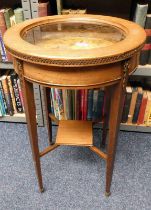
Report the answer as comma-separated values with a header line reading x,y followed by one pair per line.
x,y
143,71
15,118
6,65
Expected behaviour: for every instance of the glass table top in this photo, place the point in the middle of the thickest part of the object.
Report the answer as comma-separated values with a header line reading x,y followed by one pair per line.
x,y
73,36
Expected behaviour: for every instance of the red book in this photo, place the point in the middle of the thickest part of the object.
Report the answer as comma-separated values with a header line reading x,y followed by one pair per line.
x,y
142,109
43,9
85,104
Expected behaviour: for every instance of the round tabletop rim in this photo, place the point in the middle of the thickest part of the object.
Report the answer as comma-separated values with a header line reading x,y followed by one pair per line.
x,y
120,51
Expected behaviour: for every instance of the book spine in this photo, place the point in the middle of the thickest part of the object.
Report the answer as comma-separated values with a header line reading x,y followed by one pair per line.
x,y
85,105
148,123
100,103
142,111
69,105
7,18
12,94
64,96
1,114
20,93
2,48
59,6
73,104
7,97
140,14
78,103
126,107
2,22
19,16
3,97
16,93
137,108
90,104
43,9
95,98
2,104
59,102
82,105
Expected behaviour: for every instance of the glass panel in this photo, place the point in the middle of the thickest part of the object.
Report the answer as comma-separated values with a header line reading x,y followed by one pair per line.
x,y
73,36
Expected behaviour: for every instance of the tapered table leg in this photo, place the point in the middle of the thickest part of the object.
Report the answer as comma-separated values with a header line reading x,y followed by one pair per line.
x,y
114,122
48,110
30,111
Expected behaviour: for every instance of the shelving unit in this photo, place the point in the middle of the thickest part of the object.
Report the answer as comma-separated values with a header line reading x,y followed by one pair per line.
x,y
30,9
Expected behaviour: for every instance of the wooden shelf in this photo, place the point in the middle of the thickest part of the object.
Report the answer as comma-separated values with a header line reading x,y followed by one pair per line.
x,y
74,132
6,65
15,118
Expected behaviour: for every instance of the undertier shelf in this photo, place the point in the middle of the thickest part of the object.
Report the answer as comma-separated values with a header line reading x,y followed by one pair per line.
x,y
75,132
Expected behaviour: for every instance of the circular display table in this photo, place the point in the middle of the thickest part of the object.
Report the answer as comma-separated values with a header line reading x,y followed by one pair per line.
x,y
75,52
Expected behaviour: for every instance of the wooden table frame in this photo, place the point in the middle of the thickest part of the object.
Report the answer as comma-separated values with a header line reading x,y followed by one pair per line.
x,y
117,91
102,67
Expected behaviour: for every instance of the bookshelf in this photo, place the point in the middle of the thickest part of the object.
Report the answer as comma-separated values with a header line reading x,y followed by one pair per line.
x,y
26,5
30,8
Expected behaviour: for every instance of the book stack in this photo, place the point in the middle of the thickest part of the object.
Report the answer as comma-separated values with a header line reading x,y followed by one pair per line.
x,y
11,99
77,104
137,106
8,18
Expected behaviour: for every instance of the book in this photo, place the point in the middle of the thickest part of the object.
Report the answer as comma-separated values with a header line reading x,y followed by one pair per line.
x,y
8,13
4,82
132,104
2,49
59,6
54,102
14,78
127,102
137,105
148,105
90,104
82,104
3,111
20,93
19,16
142,109
43,9
59,101
12,94
94,109
100,103
85,103
69,108
2,22
77,104
3,97
140,14
148,122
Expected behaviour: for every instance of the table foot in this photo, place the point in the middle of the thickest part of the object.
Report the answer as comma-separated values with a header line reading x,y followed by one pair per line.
x,y
107,194
41,190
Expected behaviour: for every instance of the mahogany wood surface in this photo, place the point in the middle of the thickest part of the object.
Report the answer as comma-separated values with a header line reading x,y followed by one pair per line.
x,y
66,67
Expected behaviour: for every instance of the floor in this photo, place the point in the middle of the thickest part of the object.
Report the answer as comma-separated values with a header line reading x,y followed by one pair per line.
x,y
74,177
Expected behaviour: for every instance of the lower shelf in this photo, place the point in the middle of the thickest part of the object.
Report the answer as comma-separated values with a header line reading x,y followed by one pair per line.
x,y
74,132
20,118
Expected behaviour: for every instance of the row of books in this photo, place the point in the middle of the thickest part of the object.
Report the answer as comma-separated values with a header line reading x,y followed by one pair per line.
x,y
8,18
11,99
144,20
77,104
137,106
89,105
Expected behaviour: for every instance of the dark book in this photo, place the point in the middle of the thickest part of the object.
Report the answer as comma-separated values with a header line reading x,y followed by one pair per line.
x,y
127,103
85,104
100,103
138,104
95,98
90,104
14,78
77,103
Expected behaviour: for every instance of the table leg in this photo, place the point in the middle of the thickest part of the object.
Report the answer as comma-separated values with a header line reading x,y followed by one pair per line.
x,y
114,122
48,110
30,110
